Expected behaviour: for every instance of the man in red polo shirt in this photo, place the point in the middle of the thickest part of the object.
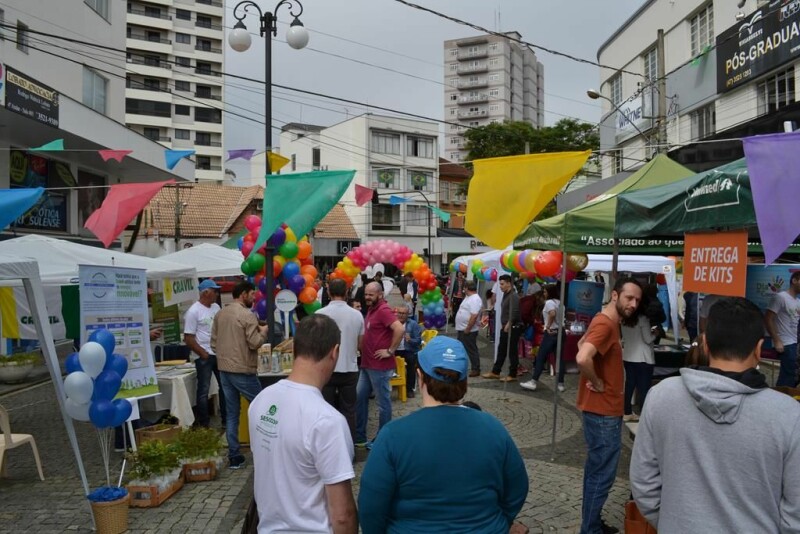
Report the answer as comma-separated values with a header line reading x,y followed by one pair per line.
x,y
382,335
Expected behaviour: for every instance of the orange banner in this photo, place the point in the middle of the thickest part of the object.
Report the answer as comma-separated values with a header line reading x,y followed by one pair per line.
x,y
715,262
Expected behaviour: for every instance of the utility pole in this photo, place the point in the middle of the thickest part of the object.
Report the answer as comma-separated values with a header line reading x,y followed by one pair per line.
x,y
662,94
178,212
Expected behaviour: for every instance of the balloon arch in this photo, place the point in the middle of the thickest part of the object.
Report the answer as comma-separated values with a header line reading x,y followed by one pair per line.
x,y
402,257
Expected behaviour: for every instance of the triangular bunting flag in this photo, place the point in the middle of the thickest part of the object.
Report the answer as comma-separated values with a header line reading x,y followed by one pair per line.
x,y
172,157
394,200
243,153
16,202
116,155
276,162
363,195
52,146
443,215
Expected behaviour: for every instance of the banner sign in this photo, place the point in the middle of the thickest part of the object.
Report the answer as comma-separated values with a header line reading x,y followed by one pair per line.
x,y
765,281
766,39
28,97
115,298
634,116
167,317
180,290
585,298
715,262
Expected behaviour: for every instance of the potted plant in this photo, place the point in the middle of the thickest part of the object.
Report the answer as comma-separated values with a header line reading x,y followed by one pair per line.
x,y
16,367
155,473
201,449
166,429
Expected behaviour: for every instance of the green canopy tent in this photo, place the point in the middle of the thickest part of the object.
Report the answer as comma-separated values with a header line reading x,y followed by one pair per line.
x,y
716,199
590,227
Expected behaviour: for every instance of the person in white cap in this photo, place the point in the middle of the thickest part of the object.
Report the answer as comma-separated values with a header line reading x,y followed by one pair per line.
x,y
414,479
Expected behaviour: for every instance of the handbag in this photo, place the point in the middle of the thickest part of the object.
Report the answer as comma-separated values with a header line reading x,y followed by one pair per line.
x,y
635,523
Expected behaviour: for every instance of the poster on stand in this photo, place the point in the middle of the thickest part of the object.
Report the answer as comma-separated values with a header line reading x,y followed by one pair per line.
x,y
763,282
115,298
585,299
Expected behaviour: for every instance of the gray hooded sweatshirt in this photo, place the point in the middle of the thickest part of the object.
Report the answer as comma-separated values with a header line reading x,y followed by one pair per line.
x,y
712,454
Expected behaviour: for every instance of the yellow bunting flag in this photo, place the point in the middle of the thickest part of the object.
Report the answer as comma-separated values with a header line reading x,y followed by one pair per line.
x,y
276,162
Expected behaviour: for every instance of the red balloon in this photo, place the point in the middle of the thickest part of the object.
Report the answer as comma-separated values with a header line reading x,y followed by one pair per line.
x,y
247,248
251,237
661,279
548,263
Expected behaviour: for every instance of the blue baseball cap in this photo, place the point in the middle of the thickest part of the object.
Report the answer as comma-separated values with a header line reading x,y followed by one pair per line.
x,y
208,283
445,353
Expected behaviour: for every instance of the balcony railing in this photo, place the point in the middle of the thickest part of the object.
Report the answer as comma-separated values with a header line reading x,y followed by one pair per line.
x,y
473,99
465,69
200,142
207,96
480,82
159,139
161,64
201,167
210,3
148,112
142,12
142,87
206,71
210,49
213,119
207,25
467,114
472,54
142,37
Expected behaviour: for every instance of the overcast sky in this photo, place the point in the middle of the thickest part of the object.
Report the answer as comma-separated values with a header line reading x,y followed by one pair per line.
x,y
356,44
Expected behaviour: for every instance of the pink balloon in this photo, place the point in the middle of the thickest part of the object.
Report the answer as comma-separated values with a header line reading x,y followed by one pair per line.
x,y
247,248
252,222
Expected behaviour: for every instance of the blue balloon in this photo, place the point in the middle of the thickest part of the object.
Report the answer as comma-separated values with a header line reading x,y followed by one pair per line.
x,y
290,269
297,283
72,363
101,413
122,410
277,238
106,386
106,340
240,243
119,364
261,309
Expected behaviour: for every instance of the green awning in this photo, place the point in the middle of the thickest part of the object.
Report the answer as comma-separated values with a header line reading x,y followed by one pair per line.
x,y
590,227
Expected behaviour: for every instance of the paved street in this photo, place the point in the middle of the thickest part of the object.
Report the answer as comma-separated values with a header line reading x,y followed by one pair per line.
x,y
58,505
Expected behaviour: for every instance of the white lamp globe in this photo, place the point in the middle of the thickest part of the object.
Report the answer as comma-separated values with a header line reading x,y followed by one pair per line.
x,y
297,35
239,38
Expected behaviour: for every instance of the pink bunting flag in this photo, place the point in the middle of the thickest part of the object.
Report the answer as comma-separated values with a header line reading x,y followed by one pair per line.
x,y
113,154
363,195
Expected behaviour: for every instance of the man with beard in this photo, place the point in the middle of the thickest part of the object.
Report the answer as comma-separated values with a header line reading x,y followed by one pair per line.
x,y
235,338
600,398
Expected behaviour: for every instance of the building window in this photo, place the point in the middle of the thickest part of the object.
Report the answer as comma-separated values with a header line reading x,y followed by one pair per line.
x,y
494,107
2,21
203,68
417,215
452,111
182,134
385,143
183,14
455,141
316,158
207,115
182,110
202,138
203,163
494,93
650,65
455,156
203,22
454,126
183,61
494,77
453,98
419,147
385,217
776,91
703,122
493,47
94,90
444,190
99,6
617,161
701,30
453,66
152,133
183,38
453,82
615,89
181,85
294,162
147,107
22,37
493,62
453,52
420,180
386,178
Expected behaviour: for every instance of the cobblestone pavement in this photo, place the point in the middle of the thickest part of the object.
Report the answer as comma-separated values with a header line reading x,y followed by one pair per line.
x,y
58,505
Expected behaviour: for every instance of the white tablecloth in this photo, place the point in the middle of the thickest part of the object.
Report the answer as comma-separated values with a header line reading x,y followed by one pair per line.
x,y
178,386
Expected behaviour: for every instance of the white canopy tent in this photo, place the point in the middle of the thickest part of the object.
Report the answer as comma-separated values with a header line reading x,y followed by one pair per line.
x,y
209,260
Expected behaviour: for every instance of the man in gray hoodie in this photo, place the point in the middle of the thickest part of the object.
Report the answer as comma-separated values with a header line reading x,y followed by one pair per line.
x,y
717,450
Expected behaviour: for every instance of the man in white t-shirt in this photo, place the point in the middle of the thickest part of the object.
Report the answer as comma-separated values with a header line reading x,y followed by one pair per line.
x,y
197,336
302,450
467,325
780,320
340,391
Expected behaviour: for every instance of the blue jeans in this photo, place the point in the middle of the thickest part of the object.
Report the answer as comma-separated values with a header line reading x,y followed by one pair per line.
x,y
603,445
368,381
788,373
234,384
204,370
547,347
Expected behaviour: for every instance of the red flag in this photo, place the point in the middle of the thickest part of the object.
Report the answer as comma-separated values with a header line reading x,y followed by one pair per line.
x,y
363,195
113,154
123,203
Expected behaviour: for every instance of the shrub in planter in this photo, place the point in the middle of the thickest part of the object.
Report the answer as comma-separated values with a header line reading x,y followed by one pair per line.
x,y
155,473
201,450
17,367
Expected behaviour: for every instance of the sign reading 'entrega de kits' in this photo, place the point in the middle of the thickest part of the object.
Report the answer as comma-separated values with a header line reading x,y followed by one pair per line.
x,y
766,39
716,263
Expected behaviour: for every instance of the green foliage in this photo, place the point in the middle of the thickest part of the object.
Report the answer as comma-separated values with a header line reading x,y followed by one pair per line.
x,y
509,138
154,458
199,443
21,358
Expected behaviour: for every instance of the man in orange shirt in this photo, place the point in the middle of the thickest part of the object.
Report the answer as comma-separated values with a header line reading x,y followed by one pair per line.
x,y
600,398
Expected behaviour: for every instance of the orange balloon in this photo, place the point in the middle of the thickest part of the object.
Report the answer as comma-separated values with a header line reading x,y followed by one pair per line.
x,y
308,295
309,270
309,280
303,249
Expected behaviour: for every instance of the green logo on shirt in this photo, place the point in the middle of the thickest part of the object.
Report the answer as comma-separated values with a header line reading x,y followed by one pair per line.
x,y
273,409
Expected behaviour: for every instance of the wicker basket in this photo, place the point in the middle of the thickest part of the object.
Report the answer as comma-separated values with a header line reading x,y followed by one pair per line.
x,y
111,517
166,433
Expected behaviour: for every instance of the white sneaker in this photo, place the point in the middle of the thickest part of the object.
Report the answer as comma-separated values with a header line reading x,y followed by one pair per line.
x,y
561,387
530,385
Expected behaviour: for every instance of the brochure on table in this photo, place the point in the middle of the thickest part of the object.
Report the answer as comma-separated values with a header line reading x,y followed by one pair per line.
x,y
115,298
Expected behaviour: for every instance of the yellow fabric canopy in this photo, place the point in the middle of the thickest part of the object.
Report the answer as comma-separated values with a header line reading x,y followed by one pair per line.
x,y
505,194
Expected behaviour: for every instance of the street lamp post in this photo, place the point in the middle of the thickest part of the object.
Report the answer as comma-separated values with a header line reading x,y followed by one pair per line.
x,y
594,95
239,39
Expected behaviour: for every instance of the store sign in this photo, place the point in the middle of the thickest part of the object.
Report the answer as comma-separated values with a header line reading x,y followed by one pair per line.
x,y
31,98
179,290
635,115
716,263
343,247
757,44
50,213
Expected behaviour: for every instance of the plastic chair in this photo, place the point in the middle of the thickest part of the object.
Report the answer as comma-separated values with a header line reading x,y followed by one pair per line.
x,y
399,381
10,441
427,335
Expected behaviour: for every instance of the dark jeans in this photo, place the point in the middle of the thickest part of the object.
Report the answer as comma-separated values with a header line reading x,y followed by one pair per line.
x,y
788,373
470,342
603,445
234,384
340,392
455,304
638,376
369,381
204,370
548,346
513,354
411,368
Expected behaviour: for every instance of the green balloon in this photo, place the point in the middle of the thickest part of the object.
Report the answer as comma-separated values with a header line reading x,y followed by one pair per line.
x,y
247,269
257,262
288,250
312,306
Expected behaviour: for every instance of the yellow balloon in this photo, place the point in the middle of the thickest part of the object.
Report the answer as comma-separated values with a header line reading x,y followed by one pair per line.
x,y
290,237
530,259
304,238
281,260
577,262
408,266
341,266
347,261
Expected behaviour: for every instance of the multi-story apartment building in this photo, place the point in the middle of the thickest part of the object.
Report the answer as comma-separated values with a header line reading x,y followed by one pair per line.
x,y
392,155
57,90
730,72
487,79
174,87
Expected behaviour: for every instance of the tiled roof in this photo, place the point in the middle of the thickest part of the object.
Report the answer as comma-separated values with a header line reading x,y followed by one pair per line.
x,y
208,211
453,170
336,225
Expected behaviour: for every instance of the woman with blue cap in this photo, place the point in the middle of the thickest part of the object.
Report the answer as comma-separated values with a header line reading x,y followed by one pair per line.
x,y
444,468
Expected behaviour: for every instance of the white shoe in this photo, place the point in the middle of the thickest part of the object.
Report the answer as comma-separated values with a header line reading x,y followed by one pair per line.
x,y
561,387
530,385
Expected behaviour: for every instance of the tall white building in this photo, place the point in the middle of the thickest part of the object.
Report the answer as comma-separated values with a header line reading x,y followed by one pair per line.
x,y
489,79
57,90
174,86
